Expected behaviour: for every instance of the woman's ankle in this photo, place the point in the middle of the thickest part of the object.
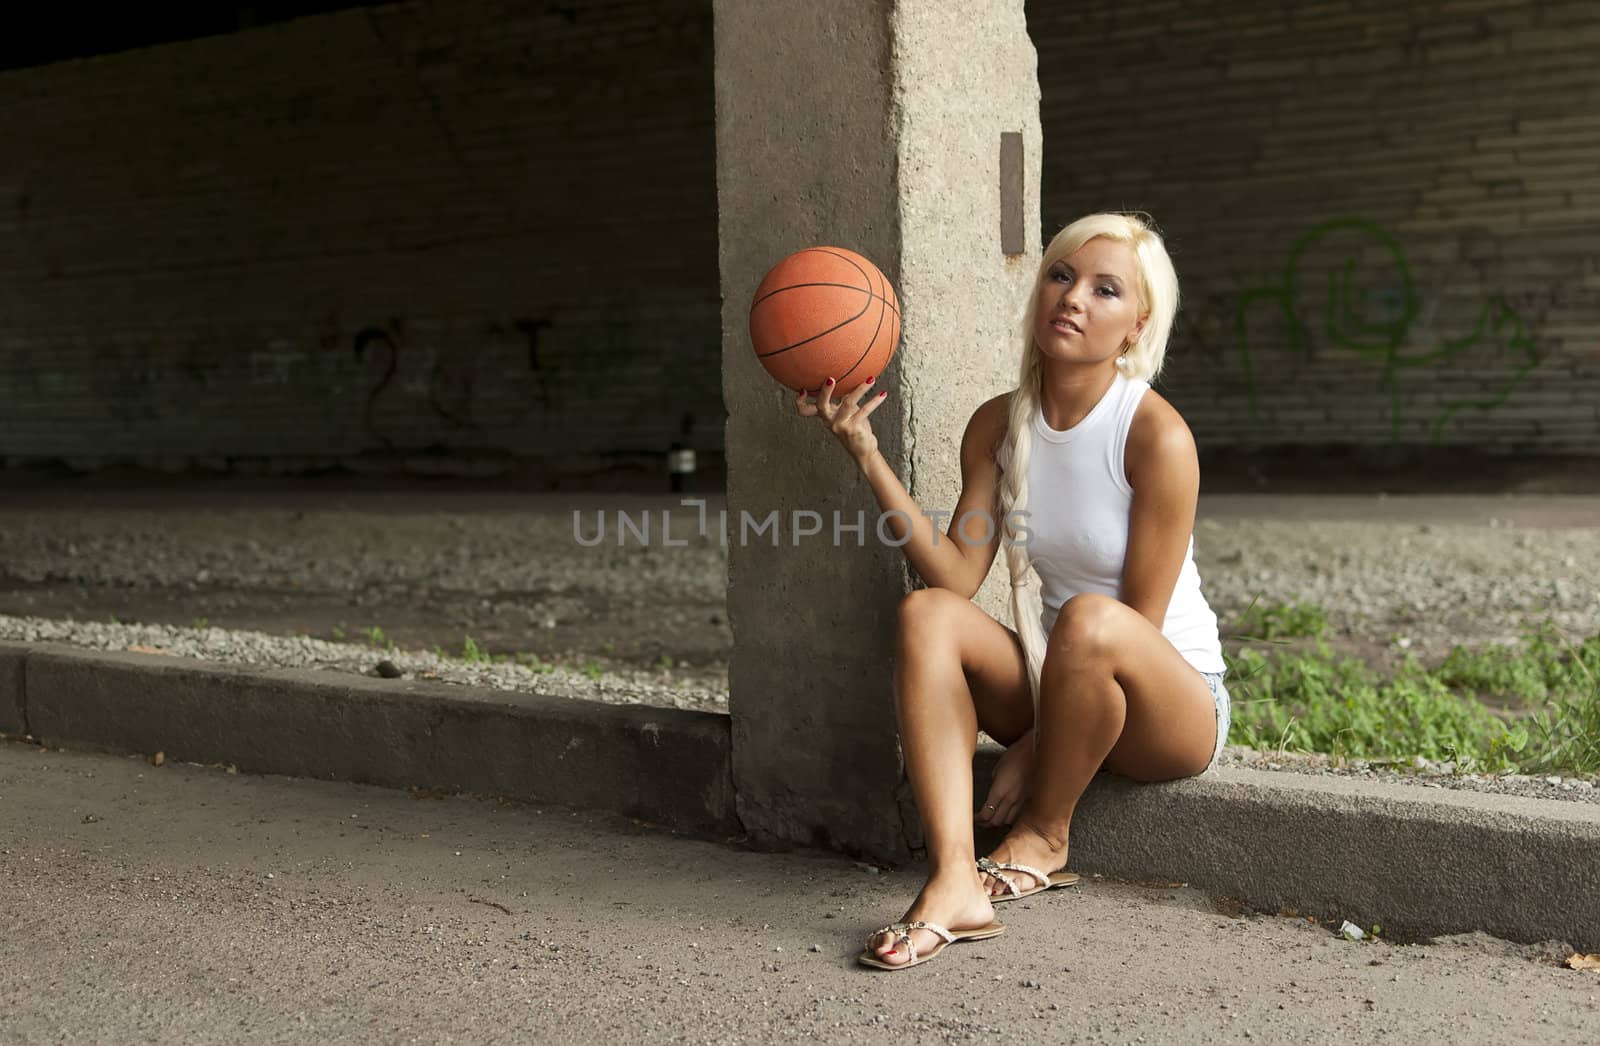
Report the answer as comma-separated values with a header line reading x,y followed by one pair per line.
x,y
1034,834
951,867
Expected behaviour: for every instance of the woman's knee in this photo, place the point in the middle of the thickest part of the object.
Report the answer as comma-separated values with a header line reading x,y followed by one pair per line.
x,y
1085,628
926,612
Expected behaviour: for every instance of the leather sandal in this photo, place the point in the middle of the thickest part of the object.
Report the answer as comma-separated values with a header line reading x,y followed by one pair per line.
x,y
1044,880
902,932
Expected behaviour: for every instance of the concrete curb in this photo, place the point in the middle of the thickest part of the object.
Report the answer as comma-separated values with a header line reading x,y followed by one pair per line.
x,y
13,709
666,766
1418,861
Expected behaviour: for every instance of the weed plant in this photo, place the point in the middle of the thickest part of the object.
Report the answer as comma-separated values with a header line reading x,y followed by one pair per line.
x,y
1314,700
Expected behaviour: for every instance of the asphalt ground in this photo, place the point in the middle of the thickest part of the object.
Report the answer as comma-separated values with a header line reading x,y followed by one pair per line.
x,y
142,903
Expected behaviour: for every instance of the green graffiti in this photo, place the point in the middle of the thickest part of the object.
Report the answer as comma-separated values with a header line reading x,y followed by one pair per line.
x,y
1378,327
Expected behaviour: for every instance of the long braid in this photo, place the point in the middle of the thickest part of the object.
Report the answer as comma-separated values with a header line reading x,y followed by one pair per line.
x,y
1013,456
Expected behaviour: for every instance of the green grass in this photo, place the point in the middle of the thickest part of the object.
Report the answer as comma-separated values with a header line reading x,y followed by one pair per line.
x,y
472,653
531,661
1314,700
1274,621
1548,666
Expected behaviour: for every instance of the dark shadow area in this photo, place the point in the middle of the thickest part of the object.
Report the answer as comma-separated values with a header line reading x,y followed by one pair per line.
x,y
59,32
1393,470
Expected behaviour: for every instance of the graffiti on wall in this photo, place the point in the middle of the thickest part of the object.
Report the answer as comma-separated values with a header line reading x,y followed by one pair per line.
x,y
448,385
556,378
1347,288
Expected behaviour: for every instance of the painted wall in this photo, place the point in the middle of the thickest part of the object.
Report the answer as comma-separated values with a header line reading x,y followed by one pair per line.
x,y
463,235
1385,216
468,231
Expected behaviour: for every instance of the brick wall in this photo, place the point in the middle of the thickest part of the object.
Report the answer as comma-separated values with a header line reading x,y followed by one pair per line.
x,y
478,230
485,230
1385,216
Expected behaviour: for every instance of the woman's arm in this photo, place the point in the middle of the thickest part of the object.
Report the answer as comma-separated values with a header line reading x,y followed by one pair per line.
x,y
953,562
1163,468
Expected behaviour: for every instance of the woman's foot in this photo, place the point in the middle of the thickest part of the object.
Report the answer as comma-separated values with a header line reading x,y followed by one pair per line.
x,y
1024,845
954,900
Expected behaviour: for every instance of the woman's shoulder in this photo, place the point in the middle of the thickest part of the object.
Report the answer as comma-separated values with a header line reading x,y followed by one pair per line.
x,y
1157,432
990,420
985,432
1155,415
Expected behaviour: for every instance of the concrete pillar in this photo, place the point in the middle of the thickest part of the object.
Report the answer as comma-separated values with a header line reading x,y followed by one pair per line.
x,y
877,126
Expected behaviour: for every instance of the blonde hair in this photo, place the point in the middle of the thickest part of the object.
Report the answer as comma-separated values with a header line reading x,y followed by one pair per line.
x,y
1158,299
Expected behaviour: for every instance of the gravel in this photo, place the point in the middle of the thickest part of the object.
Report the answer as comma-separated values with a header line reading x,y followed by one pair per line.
x,y
1408,587
1425,773
255,648
1390,588
355,551
1395,587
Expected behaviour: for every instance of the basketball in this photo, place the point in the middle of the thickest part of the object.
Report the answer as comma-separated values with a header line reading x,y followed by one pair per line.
x,y
824,312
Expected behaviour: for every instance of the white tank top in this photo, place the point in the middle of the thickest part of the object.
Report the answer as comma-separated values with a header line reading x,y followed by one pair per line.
x,y
1078,500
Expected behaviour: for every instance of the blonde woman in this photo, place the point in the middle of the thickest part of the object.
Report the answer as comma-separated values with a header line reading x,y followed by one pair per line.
x,y
1091,479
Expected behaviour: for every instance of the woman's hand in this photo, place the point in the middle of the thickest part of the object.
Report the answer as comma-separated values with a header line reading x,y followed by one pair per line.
x,y
846,418
1008,789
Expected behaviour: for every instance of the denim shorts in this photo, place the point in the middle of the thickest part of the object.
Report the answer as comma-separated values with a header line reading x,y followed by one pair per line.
x,y
1219,695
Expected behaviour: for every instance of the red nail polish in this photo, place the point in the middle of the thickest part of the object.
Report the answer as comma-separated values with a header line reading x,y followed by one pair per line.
x,y
872,378
830,381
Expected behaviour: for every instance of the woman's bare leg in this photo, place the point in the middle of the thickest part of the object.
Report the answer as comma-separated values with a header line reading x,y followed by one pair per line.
x,y
1115,693
955,667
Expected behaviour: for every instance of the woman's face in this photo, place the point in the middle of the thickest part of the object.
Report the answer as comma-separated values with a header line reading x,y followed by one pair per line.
x,y
1088,307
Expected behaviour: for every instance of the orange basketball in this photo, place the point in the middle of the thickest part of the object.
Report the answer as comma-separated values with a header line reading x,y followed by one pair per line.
x,y
824,312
